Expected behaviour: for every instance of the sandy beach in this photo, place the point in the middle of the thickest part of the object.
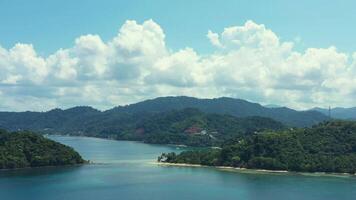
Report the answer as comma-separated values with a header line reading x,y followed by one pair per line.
x,y
258,171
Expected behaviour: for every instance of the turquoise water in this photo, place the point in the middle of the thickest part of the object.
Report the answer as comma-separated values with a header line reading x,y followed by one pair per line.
x,y
125,170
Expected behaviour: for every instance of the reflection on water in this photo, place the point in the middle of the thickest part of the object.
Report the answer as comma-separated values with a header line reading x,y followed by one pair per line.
x,y
42,171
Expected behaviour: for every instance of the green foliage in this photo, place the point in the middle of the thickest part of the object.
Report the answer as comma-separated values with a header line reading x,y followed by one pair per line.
x,y
188,126
25,149
327,147
120,122
195,128
202,157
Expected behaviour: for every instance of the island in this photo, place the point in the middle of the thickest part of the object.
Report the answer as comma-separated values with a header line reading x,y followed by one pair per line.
x,y
326,147
26,149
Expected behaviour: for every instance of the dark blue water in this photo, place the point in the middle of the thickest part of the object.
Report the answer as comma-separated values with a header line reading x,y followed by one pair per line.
x,y
126,171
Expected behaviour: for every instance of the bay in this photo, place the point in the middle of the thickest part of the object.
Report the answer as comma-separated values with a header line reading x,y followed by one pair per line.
x,y
127,170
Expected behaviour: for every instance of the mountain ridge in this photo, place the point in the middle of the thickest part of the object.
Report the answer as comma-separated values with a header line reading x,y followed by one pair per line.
x,y
84,115
338,112
227,105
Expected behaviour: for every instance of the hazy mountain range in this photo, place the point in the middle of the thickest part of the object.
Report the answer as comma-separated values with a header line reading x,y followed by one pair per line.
x,y
81,117
338,112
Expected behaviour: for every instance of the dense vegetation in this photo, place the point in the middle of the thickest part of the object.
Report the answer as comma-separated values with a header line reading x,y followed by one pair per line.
x,y
188,126
327,147
119,121
25,149
230,106
195,128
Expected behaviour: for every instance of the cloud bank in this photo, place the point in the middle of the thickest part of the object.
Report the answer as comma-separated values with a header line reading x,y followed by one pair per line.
x,y
250,62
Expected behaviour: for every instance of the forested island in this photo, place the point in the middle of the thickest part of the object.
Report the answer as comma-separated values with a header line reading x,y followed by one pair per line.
x,y
26,149
326,147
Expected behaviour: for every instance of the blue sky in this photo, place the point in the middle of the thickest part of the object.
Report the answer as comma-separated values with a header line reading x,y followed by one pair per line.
x,y
51,25
106,53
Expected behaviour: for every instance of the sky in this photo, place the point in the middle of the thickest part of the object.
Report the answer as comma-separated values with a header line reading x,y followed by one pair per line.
x,y
105,53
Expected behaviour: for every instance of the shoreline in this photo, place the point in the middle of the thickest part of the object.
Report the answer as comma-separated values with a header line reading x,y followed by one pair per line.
x,y
129,140
222,168
259,171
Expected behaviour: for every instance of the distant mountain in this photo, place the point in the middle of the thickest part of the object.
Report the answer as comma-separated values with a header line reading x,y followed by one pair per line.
x,y
225,105
339,113
188,126
57,120
272,106
89,121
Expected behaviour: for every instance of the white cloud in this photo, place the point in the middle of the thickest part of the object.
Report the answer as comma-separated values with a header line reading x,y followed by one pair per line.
x,y
92,54
21,64
180,69
136,48
12,79
63,66
250,62
249,35
214,39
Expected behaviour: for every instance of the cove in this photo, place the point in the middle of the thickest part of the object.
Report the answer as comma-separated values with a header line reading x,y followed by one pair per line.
x,y
126,170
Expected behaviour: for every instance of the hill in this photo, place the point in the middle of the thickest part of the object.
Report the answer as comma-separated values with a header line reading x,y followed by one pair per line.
x,y
327,147
119,121
25,149
225,105
339,113
195,128
56,120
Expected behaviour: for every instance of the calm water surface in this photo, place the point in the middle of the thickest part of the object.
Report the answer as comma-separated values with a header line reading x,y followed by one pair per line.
x,y
125,170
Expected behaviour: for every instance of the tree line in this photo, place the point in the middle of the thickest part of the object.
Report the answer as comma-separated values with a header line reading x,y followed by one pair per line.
x,y
326,147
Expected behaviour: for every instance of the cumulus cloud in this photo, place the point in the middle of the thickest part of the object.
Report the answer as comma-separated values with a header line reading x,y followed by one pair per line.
x,y
249,35
21,64
250,62
179,69
214,39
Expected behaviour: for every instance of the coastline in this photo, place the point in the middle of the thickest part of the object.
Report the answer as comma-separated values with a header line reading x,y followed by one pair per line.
x,y
260,171
222,168
225,168
114,139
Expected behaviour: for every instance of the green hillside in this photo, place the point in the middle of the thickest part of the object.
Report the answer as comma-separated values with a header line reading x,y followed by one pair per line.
x,y
85,120
327,147
25,149
195,128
